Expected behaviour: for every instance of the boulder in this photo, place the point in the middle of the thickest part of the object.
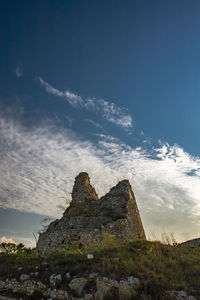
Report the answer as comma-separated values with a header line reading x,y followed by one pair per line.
x,y
24,277
106,289
180,295
133,280
55,279
88,297
127,288
78,284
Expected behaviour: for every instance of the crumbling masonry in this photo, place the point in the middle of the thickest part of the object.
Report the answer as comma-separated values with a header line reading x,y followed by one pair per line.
x,y
88,217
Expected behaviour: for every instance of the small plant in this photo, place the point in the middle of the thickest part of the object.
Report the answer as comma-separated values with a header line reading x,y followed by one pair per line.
x,y
109,241
159,266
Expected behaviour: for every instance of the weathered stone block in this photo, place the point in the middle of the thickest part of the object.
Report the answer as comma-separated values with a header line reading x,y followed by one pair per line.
x,y
88,218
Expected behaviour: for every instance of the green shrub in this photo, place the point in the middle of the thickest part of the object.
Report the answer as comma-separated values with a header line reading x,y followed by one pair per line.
x,y
159,266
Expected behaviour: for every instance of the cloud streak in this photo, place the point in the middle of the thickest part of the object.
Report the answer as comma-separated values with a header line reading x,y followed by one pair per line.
x,y
18,72
109,110
38,166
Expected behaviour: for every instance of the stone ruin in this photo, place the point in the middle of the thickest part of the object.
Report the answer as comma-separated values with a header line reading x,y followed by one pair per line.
x,y
88,217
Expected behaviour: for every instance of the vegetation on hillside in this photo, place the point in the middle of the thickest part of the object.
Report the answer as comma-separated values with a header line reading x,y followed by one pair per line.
x,y
159,266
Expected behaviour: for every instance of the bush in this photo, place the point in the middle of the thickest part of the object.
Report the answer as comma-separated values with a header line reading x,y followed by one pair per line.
x,y
159,266
11,247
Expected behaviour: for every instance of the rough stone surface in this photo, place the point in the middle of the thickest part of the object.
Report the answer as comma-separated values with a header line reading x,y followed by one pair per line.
x,y
88,217
55,279
133,280
93,275
106,288
82,190
88,297
127,288
24,277
180,295
78,284
30,286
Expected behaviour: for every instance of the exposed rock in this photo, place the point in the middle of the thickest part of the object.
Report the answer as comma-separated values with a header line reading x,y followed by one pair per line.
x,y
93,275
82,190
55,279
78,284
68,275
106,289
133,280
88,297
88,217
24,277
127,288
180,295
28,287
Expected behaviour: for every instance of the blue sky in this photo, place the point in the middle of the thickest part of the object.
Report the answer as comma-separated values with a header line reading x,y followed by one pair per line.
x,y
106,87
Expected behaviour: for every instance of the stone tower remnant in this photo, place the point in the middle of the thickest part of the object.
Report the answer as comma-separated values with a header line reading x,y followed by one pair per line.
x,y
88,217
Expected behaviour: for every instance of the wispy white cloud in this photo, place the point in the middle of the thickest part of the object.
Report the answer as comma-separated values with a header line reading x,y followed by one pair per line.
x,y
19,72
109,110
97,125
38,167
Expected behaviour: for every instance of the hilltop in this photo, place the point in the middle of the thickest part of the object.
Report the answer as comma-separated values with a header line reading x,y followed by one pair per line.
x,y
139,270
98,251
88,217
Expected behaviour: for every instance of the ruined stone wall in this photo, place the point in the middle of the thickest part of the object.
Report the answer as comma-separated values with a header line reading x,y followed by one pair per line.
x,y
88,217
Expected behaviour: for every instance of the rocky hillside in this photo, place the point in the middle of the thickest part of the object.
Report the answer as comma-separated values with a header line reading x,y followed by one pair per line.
x,y
139,270
88,218
98,251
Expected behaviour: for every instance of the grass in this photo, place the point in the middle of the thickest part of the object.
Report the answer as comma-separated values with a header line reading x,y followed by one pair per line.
x,y
159,266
